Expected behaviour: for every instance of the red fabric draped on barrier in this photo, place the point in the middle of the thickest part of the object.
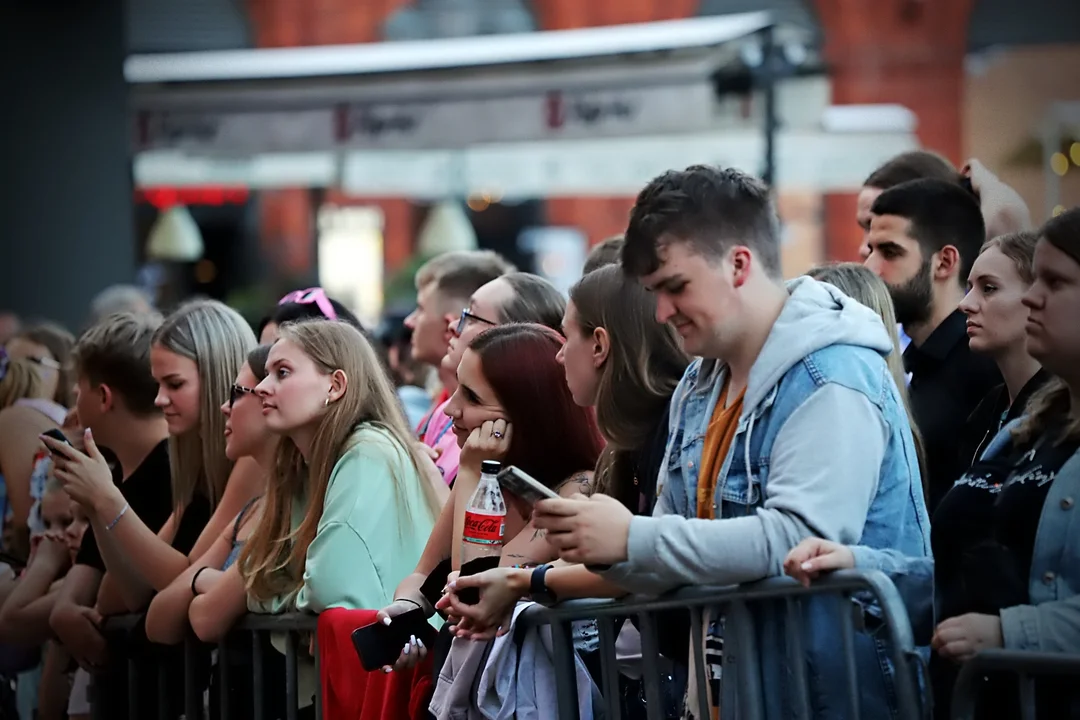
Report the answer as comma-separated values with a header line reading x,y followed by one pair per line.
x,y
352,693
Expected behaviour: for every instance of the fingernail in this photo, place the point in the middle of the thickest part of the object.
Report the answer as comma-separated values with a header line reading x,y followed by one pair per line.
x,y
807,565
386,620
453,585
387,669
412,639
420,643
406,650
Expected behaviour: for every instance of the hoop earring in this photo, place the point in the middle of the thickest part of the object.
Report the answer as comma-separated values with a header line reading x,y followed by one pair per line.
x,y
326,402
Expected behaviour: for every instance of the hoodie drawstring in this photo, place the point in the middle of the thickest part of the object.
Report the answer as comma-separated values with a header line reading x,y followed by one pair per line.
x,y
746,448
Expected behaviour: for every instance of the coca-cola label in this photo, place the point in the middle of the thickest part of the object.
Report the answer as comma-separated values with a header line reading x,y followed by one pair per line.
x,y
483,529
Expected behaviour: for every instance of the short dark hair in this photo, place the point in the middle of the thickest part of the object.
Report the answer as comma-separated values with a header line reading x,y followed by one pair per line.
x,y
535,301
474,270
710,208
941,213
116,352
256,361
914,165
606,252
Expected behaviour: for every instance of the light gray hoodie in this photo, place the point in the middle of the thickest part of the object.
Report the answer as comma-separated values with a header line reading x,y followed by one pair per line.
x,y
822,438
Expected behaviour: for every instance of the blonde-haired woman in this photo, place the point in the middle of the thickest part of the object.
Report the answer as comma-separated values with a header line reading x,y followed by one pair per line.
x,y
195,356
348,512
859,283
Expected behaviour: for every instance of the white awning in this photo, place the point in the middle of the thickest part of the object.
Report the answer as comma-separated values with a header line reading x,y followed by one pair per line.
x,y
614,166
446,54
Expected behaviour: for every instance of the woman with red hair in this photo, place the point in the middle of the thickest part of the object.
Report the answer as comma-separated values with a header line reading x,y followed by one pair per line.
x,y
511,405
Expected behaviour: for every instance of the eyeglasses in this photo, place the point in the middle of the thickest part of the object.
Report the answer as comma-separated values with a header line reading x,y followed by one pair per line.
x,y
238,391
46,362
312,295
466,316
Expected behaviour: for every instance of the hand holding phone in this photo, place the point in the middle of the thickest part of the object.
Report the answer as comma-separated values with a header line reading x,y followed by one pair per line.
x,y
379,645
525,486
59,436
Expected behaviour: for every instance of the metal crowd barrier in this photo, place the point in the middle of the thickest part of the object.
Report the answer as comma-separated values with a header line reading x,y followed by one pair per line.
x,y
1025,665
736,603
257,627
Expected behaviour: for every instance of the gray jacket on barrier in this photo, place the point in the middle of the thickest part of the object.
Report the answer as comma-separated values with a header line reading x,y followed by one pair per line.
x,y
1051,623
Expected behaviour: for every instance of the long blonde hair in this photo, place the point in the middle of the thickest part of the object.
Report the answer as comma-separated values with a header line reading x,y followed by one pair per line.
x,y
217,339
272,561
861,284
21,380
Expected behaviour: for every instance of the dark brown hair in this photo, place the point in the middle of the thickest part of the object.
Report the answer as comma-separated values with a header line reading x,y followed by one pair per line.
x,y
711,209
606,252
914,165
939,214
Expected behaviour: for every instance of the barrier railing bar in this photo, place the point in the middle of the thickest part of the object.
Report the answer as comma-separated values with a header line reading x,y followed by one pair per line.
x,y
562,642
192,695
1024,664
224,677
1027,696
609,669
697,646
162,680
292,694
797,656
847,635
650,649
258,703
741,623
132,686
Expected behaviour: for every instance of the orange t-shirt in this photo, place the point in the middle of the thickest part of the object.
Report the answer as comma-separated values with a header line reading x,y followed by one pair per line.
x,y
718,437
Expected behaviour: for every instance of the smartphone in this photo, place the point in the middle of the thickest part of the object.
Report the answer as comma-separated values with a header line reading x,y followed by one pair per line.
x,y
525,486
379,645
57,434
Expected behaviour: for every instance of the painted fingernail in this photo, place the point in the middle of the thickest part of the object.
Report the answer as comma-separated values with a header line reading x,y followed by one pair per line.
x,y
807,565
387,669
406,650
386,620
412,639
420,643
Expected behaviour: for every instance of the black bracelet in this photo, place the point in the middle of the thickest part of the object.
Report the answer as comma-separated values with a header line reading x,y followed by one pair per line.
x,y
195,579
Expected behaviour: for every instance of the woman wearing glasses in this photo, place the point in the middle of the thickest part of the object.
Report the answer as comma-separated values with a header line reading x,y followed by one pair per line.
x,y
513,298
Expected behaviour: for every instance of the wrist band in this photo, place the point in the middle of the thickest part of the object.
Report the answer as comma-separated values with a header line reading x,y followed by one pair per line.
x,y
410,600
119,515
195,579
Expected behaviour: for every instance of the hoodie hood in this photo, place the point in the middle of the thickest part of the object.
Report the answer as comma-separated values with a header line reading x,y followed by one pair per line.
x,y
815,316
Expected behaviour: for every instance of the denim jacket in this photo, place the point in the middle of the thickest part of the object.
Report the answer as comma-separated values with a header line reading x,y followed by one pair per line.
x,y
823,448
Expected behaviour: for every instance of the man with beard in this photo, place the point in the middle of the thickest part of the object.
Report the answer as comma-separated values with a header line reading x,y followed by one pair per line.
x,y
924,237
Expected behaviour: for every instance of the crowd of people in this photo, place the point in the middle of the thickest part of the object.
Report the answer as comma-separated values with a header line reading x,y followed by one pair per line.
x,y
702,421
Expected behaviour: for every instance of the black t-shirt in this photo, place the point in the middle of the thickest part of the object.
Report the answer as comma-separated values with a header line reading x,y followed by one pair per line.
x,y
149,493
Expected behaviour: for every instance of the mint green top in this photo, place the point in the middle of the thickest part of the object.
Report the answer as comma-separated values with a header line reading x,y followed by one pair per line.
x,y
374,526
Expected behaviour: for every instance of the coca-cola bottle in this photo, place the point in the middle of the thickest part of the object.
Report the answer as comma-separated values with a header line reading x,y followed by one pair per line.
x,y
485,517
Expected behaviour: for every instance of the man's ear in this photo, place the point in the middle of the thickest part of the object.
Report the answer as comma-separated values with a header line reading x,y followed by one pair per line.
x,y
741,261
601,347
946,263
105,397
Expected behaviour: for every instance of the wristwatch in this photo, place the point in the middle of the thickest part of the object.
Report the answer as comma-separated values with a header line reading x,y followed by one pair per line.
x,y
538,589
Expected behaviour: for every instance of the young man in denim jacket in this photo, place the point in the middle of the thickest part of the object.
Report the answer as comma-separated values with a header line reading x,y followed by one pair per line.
x,y
821,446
